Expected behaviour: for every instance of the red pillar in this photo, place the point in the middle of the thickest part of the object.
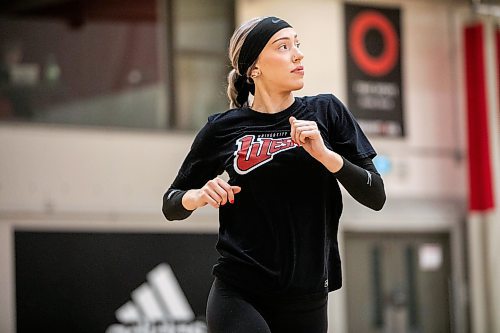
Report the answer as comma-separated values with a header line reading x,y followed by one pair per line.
x,y
480,172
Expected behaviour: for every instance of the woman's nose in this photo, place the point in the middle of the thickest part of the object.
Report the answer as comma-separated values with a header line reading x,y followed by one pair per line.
x,y
298,55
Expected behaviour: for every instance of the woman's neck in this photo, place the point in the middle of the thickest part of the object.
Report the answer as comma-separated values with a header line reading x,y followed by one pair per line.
x,y
266,102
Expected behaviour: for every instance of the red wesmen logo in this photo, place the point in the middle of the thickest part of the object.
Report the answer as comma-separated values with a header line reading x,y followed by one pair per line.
x,y
253,152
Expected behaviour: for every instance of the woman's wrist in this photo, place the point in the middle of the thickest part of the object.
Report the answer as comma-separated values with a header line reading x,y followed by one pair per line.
x,y
189,200
331,160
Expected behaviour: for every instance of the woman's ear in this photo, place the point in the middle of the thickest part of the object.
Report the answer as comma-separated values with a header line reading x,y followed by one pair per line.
x,y
255,72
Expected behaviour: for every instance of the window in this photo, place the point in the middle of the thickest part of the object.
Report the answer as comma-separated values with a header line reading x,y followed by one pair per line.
x,y
201,33
149,64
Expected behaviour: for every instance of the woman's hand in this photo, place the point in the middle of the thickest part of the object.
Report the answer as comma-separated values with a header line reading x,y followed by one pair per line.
x,y
215,192
306,134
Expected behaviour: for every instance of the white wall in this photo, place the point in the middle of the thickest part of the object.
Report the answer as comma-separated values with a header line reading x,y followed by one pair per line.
x,y
58,169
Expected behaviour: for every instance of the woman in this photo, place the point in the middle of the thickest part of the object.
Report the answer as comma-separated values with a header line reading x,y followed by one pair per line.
x,y
280,209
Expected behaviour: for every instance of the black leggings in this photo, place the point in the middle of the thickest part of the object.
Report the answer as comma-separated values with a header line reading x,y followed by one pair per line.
x,y
230,310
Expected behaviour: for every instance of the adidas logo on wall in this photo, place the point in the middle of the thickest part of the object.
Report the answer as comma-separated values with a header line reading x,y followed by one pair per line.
x,y
158,306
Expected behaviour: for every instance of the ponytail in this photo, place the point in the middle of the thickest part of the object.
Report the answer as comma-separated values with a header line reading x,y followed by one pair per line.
x,y
238,85
232,92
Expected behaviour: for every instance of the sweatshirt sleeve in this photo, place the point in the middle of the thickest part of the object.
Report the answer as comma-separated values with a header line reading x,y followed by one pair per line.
x,y
346,136
363,182
201,164
358,174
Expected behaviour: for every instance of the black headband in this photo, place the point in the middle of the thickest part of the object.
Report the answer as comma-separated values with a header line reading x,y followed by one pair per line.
x,y
256,39
253,45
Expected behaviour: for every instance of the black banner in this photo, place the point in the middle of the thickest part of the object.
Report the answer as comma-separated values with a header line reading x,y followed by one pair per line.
x,y
373,47
112,282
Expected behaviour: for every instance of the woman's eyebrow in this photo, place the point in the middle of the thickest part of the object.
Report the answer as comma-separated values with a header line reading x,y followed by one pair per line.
x,y
295,37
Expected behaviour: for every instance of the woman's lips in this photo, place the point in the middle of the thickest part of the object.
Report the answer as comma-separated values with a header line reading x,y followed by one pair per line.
x,y
298,70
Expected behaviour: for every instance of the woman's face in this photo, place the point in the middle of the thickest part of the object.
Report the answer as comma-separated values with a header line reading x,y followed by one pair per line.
x,y
279,63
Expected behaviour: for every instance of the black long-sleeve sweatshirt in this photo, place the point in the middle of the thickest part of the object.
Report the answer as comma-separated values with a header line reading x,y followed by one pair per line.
x,y
279,237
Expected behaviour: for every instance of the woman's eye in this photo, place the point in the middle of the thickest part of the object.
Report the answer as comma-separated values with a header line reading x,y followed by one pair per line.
x,y
283,47
297,45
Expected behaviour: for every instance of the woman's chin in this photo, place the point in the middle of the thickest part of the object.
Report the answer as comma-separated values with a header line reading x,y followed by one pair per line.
x,y
298,85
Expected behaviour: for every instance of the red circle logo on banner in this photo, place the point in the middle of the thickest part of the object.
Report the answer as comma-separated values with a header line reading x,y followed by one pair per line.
x,y
384,63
